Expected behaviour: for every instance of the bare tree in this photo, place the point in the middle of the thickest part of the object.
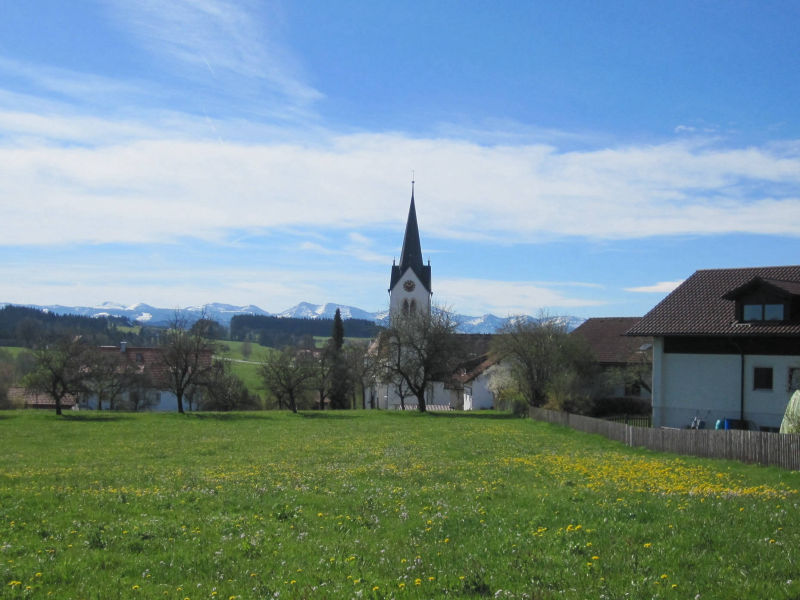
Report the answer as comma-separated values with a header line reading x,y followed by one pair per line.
x,y
321,364
61,370
361,366
186,355
110,374
287,375
418,349
543,359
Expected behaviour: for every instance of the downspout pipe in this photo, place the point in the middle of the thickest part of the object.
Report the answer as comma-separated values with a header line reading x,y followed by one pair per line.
x,y
741,387
740,351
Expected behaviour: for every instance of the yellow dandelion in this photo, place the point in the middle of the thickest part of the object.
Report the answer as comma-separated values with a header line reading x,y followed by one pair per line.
x,y
418,581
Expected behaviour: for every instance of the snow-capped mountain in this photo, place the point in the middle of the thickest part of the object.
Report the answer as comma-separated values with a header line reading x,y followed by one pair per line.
x,y
223,313
306,310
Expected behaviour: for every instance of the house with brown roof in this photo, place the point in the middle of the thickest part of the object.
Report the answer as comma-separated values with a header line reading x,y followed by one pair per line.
x,y
152,391
726,347
615,351
469,386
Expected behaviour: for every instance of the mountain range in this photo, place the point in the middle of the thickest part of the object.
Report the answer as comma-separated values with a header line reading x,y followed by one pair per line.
x,y
223,313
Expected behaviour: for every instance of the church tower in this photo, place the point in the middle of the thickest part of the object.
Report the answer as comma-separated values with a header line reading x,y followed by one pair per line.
x,y
410,282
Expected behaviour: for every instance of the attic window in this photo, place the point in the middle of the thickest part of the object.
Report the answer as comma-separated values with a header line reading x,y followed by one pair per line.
x,y
762,312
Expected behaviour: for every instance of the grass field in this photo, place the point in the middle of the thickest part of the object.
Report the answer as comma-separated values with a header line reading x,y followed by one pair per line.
x,y
377,505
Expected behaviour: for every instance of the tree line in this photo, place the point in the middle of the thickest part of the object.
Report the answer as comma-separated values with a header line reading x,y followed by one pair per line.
x,y
536,363
278,332
28,327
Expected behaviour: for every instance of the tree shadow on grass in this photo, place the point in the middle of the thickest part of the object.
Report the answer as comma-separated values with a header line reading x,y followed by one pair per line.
x,y
91,417
230,416
457,414
331,415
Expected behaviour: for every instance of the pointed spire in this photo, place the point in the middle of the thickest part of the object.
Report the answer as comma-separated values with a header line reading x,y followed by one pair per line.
x,y
411,255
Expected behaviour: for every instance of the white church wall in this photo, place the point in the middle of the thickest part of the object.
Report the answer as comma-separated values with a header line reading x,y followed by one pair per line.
x,y
404,292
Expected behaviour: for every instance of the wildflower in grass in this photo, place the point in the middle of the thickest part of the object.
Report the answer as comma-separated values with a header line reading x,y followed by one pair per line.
x,y
418,581
664,576
134,587
401,585
595,558
375,588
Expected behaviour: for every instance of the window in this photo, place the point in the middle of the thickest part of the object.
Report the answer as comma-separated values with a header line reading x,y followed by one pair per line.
x,y
752,312
794,379
762,312
762,378
773,312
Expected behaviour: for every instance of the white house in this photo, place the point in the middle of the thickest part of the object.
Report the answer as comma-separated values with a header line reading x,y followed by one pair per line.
x,y
726,348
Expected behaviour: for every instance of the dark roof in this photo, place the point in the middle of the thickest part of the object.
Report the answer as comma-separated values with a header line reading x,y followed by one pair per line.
x,y
476,357
781,288
607,340
411,255
705,304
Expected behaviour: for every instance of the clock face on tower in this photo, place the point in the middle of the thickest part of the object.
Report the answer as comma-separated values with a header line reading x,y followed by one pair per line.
x,y
408,285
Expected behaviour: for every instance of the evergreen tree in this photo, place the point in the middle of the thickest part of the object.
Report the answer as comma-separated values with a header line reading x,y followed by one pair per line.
x,y
337,335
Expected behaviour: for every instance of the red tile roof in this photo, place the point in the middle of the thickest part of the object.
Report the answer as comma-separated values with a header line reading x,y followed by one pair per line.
x,y
149,361
606,337
698,306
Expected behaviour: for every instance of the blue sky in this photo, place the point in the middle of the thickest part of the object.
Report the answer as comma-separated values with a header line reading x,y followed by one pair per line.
x,y
570,157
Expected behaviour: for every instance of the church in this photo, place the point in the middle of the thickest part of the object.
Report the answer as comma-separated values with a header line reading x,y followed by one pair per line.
x,y
410,293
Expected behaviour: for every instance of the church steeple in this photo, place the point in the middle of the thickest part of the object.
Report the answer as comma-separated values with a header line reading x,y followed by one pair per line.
x,y
411,254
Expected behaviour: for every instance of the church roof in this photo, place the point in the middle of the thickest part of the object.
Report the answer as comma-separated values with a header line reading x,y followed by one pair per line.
x,y
411,255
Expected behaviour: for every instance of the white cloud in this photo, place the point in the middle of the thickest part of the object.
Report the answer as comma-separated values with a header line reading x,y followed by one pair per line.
x,y
144,189
662,287
504,298
219,38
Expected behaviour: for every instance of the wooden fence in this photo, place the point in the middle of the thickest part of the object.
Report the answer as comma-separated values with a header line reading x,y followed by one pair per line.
x,y
635,420
776,449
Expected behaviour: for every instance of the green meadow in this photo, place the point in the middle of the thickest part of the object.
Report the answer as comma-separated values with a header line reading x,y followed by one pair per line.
x,y
377,505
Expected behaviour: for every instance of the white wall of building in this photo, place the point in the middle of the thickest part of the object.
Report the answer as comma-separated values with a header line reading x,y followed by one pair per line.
x,y
710,386
419,295
766,407
477,395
